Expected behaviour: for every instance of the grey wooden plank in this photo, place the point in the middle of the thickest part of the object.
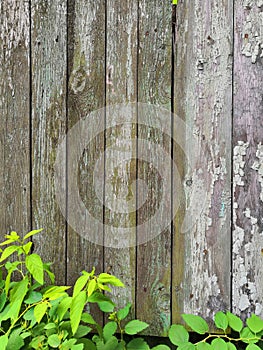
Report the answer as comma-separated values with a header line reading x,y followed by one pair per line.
x,y
86,94
154,169
203,99
248,160
120,194
49,39
14,117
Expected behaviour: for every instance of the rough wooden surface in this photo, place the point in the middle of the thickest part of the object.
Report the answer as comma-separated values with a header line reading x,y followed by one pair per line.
x,y
76,56
154,87
248,160
14,117
121,77
203,78
86,65
49,29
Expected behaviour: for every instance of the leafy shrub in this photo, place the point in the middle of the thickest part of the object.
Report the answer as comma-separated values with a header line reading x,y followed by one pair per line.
x,y
37,314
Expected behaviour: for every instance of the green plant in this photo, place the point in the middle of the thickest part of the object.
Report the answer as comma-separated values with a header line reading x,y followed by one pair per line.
x,y
37,315
250,334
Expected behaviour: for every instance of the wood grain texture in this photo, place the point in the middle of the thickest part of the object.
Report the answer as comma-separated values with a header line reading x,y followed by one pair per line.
x,y
120,193
203,83
248,160
154,87
86,66
49,29
14,117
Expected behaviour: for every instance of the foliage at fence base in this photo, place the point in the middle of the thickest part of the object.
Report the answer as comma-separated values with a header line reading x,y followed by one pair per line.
x,y
37,314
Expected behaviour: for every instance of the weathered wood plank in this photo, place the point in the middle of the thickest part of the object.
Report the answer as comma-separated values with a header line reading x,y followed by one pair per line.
x,y
248,160
154,87
120,194
49,30
86,66
14,117
203,84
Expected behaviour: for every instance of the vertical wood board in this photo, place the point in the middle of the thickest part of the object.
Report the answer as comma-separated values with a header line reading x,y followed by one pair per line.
x,y
153,272
120,170
248,160
86,61
203,82
49,40
14,115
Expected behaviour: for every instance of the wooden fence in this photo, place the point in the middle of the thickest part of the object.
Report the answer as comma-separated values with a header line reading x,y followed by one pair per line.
x,y
62,59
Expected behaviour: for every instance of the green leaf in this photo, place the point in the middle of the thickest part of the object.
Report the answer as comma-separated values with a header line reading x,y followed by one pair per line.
x,y
2,300
53,341
110,279
253,347
3,342
50,325
13,237
33,297
219,344
161,347
76,310
234,322
137,344
39,311
106,306
98,297
17,295
77,347
123,313
109,330
29,315
80,284
203,346
111,344
34,265
135,326
27,247
255,323
186,346
91,287
63,307
12,267
8,251
248,337
15,341
178,334
82,331
55,292
87,318
88,344
32,233
37,341
231,346
49,272
197,323
221,320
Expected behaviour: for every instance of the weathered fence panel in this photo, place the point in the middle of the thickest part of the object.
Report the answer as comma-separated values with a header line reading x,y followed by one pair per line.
x,y
14,114
49,74
248,159
86,65
60,61
121,77
203,77
154,87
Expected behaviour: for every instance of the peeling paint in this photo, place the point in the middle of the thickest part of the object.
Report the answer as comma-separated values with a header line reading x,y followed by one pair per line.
x,y
246,282
258,166
252,32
